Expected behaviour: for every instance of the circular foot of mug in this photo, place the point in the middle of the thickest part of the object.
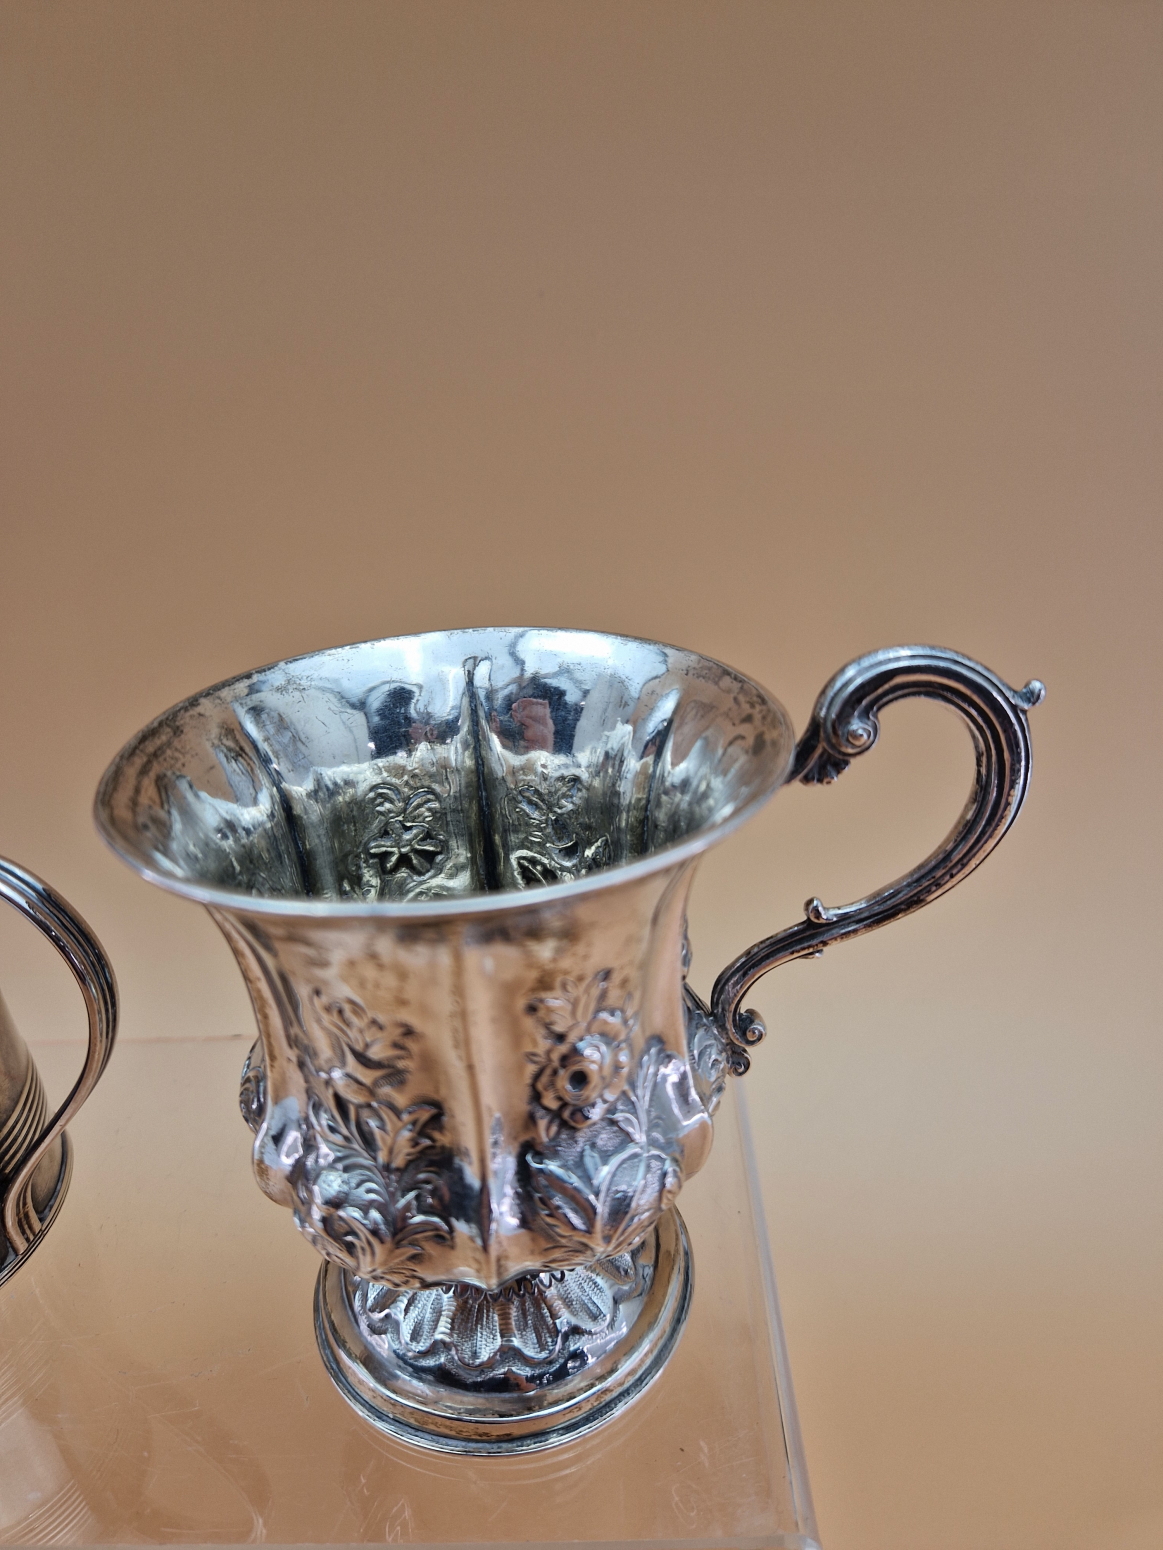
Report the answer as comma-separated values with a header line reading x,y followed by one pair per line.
x,y
540,1362
10,1263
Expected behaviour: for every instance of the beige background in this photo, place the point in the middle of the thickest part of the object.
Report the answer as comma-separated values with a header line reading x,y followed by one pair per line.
x,y
781,331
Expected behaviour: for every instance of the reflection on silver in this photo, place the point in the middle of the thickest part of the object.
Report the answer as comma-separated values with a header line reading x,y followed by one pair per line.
x,y
454,870
35,1156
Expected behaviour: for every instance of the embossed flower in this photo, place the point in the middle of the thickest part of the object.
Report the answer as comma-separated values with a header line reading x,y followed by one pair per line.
x,y
580,1081
406,841
586,1069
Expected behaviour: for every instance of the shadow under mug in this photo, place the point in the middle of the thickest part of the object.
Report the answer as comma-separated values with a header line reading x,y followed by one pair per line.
x,y
454,870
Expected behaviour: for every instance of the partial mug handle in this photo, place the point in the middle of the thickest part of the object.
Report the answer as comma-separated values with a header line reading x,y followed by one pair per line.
x,y
843,725
80,949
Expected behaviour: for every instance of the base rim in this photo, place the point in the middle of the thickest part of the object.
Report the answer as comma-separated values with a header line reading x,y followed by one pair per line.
x,y
648,1346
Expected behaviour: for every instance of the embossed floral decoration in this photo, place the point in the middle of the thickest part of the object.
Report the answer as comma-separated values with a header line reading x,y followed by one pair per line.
x,y
589,1057
524,1331
375,1216
369,1061
405,841
372,1181
597,1192
550,848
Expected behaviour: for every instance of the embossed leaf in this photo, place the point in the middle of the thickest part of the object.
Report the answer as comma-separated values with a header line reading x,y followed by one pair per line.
x,y
587,1298
365,1192
474,1331
421,1209
535,1332
555,1014
363,1245
533,803
590,998
567,1256
397,1261
633,1193
388,800
567,793
379,1050
566,1201
378,1127
421,806
546,1124
372,1062
418,1226
414,1134
619,1269
326,1125
655,1097
420,1318
378,1299
533,870
627,1121
347,1022
363,1087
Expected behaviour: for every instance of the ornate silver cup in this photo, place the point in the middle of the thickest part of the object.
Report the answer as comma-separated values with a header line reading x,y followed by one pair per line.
x,y
454,870
36,1159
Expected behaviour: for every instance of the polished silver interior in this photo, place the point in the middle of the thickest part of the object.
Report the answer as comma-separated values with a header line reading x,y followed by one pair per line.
x,y
436,766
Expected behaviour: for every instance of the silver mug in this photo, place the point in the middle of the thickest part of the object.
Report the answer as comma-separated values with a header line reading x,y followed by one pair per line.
x,y
36,1156
454,870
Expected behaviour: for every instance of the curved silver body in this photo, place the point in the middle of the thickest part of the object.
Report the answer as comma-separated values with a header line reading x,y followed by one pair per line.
x,y
454,870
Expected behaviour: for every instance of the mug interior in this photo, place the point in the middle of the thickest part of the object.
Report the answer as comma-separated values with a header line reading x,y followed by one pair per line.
x,y
445,765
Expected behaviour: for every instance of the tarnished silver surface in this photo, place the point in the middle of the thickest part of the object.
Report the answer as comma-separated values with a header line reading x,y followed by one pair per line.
x,y
454,870
35,1156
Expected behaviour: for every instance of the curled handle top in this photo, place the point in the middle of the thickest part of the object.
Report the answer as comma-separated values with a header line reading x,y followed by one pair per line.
x,y
81,950
845,724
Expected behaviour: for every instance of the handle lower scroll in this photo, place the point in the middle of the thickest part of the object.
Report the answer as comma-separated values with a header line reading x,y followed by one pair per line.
x,y
80,949
845,724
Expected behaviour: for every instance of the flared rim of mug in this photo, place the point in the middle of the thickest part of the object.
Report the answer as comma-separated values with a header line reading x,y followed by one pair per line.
x,y
508,900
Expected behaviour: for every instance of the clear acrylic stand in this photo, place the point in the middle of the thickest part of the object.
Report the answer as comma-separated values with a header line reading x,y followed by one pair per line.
x,y
160,1384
